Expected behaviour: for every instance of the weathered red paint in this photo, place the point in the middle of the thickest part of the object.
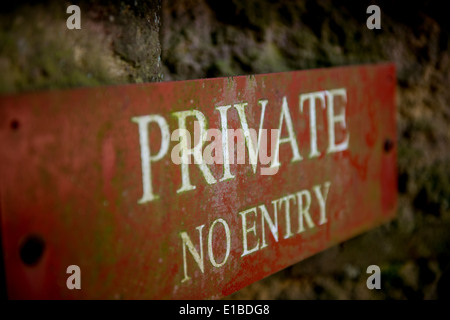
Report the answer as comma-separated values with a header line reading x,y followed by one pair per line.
x,y
71,175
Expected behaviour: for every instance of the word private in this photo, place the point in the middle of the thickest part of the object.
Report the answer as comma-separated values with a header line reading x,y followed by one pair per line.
x,y
221,149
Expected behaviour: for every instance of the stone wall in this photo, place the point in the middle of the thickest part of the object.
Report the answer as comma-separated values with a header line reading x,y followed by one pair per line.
x,y
118,43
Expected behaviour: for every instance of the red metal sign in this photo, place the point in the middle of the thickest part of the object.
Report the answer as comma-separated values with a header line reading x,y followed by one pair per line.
x,y
191,189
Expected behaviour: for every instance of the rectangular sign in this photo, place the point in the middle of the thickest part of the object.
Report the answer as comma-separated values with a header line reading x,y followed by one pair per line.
x,y
191,189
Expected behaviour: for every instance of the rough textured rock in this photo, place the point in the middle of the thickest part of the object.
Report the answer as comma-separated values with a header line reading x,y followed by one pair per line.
x,y
118,43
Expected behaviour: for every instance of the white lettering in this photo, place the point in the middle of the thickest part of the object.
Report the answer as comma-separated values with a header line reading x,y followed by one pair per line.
x,y
210,244
186,242
332,119
246,230
286,116
146,158
273,226
200,127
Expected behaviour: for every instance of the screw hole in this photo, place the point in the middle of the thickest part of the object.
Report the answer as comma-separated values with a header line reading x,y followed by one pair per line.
x,y
15,124
388,145
31,250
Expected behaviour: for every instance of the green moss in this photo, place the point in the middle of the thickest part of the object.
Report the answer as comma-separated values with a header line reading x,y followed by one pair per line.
x,y
271,60
37,51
